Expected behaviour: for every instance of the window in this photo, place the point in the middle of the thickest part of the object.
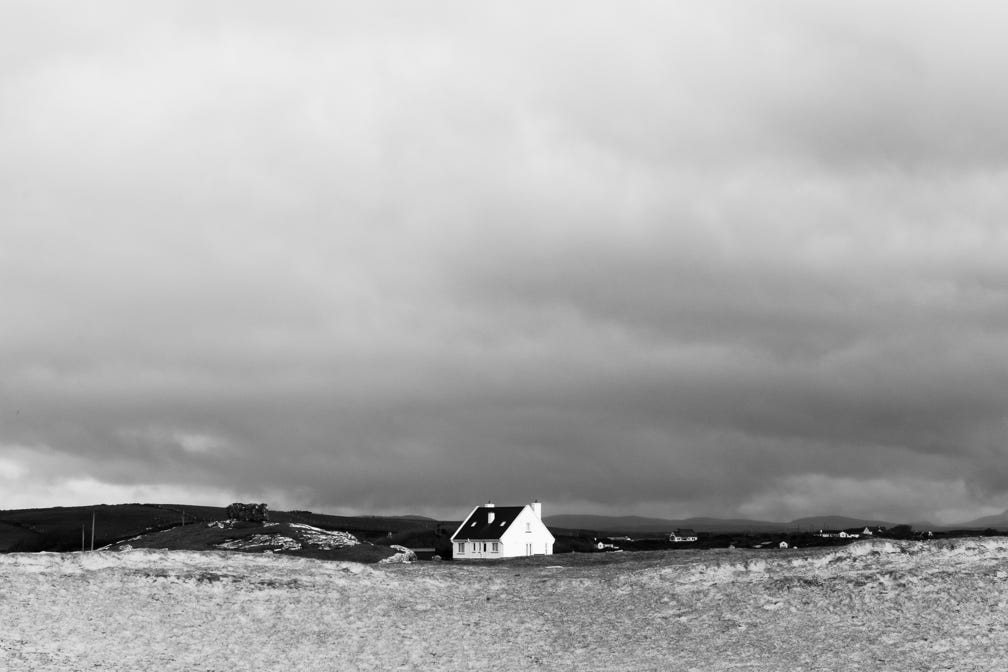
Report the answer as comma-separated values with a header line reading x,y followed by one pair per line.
x,y
484,547
493,547
461,547
528,527
475,547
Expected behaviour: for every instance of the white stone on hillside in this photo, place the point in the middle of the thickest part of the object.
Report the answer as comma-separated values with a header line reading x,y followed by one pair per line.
x,y
257,541
326,540
404,555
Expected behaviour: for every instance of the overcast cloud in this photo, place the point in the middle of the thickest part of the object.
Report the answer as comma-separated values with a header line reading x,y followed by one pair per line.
x,y
666,258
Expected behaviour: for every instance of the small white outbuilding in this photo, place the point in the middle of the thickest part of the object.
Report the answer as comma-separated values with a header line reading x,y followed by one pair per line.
x,y
493,532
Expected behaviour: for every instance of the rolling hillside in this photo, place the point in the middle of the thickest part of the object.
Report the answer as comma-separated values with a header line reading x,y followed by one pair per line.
x,y
69,528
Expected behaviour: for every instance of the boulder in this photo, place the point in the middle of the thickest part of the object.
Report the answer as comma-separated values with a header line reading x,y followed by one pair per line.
x,y
403,555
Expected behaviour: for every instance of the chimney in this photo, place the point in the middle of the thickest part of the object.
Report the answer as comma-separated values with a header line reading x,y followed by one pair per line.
x,y
490,515
537,508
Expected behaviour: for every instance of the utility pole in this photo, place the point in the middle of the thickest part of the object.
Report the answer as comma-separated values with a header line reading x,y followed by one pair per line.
x,y
92,529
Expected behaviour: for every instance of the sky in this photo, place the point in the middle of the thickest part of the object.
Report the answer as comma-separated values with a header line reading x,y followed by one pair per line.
x,y
660,258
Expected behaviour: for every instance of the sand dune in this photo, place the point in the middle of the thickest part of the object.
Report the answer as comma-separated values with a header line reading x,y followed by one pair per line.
x,y
872,605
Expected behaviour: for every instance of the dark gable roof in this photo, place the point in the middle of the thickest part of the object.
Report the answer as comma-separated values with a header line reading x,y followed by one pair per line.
x,y
477,527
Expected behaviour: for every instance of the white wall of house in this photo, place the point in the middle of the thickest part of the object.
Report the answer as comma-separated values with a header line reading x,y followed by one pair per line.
x,y
527,535
477,550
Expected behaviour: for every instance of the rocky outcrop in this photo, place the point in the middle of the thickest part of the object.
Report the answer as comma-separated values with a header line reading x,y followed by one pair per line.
x,y
261,542
403,555
325,540
253,513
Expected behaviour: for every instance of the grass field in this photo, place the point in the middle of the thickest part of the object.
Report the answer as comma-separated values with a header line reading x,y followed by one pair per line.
x,y
60,528
873,605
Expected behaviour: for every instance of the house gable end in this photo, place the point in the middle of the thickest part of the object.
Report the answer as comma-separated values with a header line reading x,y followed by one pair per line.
x,y
535,525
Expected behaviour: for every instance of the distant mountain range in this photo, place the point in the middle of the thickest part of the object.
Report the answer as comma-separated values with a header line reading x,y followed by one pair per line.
x,y
997,521
639,524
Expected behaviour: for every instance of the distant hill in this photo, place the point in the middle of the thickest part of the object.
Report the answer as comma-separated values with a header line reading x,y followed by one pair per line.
x,y
733,525
69,528
299,539
837,523
640,524
608,523
999,521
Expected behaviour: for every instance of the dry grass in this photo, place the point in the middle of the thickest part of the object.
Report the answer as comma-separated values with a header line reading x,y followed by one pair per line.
x,y
869,606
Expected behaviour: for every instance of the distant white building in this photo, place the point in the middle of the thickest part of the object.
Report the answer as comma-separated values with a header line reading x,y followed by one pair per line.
x,y
493,532
842,534
681,536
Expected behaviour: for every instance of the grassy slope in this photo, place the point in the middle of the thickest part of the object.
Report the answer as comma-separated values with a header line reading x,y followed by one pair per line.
x,y
201,537
13,536
59,528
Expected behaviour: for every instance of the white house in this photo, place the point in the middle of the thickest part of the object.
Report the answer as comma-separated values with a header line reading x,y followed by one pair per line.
x,y
492,532
680,536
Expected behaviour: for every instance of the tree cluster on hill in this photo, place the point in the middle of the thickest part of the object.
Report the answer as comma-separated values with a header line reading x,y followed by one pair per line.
x,y
252,513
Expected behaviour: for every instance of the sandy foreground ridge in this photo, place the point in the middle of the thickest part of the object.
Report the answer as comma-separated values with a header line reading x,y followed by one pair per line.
x,y
873,605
